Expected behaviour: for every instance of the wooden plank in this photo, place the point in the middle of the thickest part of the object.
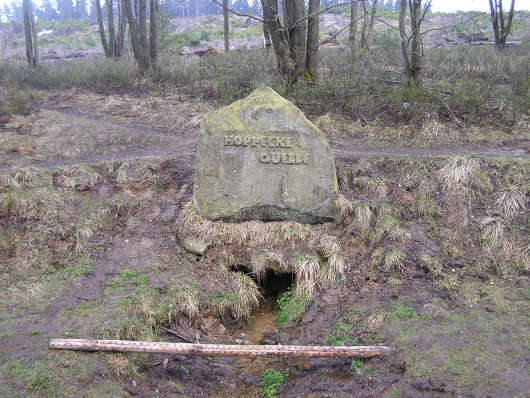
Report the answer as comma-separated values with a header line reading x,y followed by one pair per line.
x,y
218,349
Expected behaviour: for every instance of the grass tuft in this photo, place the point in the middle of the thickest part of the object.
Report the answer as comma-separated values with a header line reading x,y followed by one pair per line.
x,y
511,202
394,259
458,172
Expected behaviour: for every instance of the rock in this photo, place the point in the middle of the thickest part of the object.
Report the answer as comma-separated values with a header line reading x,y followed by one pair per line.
x,y
195,245
260,158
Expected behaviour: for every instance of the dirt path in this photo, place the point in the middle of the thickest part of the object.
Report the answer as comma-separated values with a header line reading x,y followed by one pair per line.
x,y
184,146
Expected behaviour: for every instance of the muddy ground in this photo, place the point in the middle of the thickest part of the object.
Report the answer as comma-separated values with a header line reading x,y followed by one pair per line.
x,y
93,188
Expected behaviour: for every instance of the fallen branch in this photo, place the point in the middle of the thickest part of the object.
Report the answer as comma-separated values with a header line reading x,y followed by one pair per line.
x,y
176,334
218,349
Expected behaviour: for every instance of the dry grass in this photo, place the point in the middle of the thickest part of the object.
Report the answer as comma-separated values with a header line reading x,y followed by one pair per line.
x,y
336,261
511,202
251,233
378,186
458,172
495,236
261,262
432,128
431,264
394,259
184,300
307,272
248,293
363,216
311,252
80,178
389,226
120,366
378,256
355,215
139,173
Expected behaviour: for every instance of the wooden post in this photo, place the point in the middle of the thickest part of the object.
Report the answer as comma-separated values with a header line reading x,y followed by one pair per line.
x,y
218,349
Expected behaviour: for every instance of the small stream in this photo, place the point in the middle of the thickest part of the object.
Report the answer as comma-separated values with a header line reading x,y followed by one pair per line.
x,y
263,321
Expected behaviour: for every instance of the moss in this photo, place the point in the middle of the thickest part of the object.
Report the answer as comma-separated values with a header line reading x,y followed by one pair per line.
x,y
237,186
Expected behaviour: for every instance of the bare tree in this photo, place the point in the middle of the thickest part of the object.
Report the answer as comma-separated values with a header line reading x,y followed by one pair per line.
x,y
501,29
113,47
30,33
295,44
353,23
145,52
313,29
225,26
368,25
279,37
411,47
153,37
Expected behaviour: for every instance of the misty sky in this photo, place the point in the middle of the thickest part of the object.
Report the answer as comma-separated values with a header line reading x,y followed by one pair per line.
x,y
438,5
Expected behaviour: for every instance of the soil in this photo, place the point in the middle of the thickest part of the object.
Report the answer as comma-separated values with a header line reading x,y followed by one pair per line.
x,y
52,304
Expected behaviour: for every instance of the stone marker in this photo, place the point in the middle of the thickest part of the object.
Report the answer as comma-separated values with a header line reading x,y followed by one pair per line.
x,y
261,159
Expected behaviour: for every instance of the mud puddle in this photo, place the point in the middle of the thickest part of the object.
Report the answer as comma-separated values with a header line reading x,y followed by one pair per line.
x,y
263,322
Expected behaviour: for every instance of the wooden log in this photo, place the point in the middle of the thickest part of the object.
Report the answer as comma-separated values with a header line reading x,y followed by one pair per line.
x,y
218,349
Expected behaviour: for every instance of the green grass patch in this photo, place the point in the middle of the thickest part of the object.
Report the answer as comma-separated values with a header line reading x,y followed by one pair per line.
x,y
270,383
292,305
344,333
401,311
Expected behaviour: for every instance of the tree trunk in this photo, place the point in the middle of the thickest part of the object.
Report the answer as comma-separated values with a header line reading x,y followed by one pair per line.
x,y
29,34
102,29
501,30
364,28
416,52
226,27
279,37
121,30
403,35
133,32
313,25
298,33
267,35
142,35
110,23
509,25
412,59
34,36
219,349
371,25
353,23
153,18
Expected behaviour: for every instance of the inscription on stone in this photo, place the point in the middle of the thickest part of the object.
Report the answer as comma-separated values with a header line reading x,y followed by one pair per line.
x,y
260,158
260,142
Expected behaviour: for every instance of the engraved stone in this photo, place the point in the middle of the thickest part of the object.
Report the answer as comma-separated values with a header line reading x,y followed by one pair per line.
x,y
260,158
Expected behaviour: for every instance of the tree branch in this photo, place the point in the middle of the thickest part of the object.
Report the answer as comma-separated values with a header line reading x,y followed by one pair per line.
x,y
387,24
239,14
449,26
419,23
334,35
320,11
